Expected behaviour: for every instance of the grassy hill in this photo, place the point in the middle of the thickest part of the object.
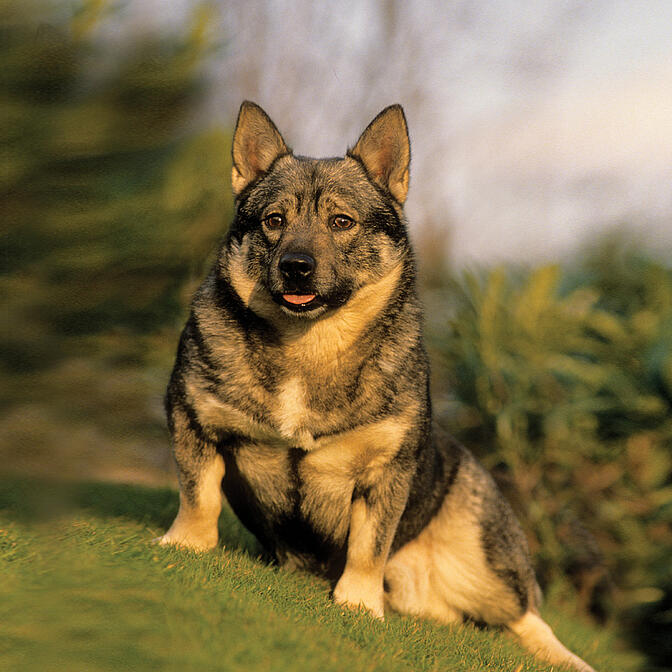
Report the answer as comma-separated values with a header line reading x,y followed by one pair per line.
x,y
84,588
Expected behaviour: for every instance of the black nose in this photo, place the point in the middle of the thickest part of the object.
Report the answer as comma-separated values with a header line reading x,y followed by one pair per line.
x,y
296,266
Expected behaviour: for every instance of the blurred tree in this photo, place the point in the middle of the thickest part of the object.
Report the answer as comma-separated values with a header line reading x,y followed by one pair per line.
x,y
109,196
112,198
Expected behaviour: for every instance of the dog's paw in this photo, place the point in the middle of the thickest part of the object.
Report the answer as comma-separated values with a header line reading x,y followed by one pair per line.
x,y
360,592
190,542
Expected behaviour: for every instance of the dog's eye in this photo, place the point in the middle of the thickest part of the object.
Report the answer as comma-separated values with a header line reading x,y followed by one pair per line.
x,y
274,221
342,222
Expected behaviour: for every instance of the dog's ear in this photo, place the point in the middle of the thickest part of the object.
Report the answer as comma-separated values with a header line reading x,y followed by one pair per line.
x,y
385,151
256,144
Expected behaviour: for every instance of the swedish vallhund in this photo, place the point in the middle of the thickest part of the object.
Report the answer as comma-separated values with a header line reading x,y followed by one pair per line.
x,y
301,390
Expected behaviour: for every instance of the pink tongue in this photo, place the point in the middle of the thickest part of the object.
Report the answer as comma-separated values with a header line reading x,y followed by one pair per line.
x,y
298,298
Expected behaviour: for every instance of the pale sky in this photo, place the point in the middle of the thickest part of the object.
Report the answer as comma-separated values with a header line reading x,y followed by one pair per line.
x,y
533,124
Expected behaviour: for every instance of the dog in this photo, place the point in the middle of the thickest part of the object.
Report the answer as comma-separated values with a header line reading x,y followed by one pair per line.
x,y
301,388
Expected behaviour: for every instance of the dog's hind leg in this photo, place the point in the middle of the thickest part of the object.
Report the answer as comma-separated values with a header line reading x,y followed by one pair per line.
x,y
410,589
445,587
537,637
200,472
471,560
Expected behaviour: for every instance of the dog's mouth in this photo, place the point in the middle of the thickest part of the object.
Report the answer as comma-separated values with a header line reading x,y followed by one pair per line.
x,y
299,303
299,299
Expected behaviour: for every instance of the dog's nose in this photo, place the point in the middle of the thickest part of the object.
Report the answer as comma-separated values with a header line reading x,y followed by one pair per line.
x,y
296,266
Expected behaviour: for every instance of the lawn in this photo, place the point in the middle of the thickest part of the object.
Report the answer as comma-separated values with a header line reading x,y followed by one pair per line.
x,y
84,588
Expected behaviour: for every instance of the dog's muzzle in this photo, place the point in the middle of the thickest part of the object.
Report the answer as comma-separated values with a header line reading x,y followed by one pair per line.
x,y
297,269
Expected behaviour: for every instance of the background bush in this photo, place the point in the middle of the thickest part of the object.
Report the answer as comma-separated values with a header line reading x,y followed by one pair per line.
x,y
561,380
113,197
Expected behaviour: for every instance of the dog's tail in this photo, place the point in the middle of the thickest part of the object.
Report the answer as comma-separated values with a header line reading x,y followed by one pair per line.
x,y
537,637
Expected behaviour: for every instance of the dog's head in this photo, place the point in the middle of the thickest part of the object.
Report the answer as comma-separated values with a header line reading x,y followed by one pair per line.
x,y
310,233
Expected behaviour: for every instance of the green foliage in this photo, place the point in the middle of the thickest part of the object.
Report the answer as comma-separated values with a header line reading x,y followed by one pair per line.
x,y
112,202
113,198
563,385
84,586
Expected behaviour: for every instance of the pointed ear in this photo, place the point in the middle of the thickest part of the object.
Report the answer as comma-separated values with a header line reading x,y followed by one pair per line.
x,y
256,144
385,151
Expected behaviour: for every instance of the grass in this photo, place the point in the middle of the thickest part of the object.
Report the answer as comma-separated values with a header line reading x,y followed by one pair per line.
x,y
83,588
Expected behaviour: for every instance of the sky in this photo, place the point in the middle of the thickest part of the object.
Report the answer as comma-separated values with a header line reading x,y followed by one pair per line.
x,y
534,125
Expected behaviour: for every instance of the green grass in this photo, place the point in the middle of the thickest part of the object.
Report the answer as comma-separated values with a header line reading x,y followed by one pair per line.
x,y
82,587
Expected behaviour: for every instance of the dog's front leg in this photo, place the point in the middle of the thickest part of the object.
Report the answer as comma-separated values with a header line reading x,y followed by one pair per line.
x,y
200,471
374,516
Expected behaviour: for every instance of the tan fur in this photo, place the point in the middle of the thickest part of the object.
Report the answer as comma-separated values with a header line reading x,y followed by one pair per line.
x,y
238,180
385,157
240,280
354,452
537,637
361,452
358,456
261,464
291,411
361,584
196,525
255,146
321,343
251,293
337,462
214,413
444,571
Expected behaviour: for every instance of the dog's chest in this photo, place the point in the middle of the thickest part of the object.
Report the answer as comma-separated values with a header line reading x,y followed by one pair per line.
x,y
290,498
291,415
285,417
273,485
